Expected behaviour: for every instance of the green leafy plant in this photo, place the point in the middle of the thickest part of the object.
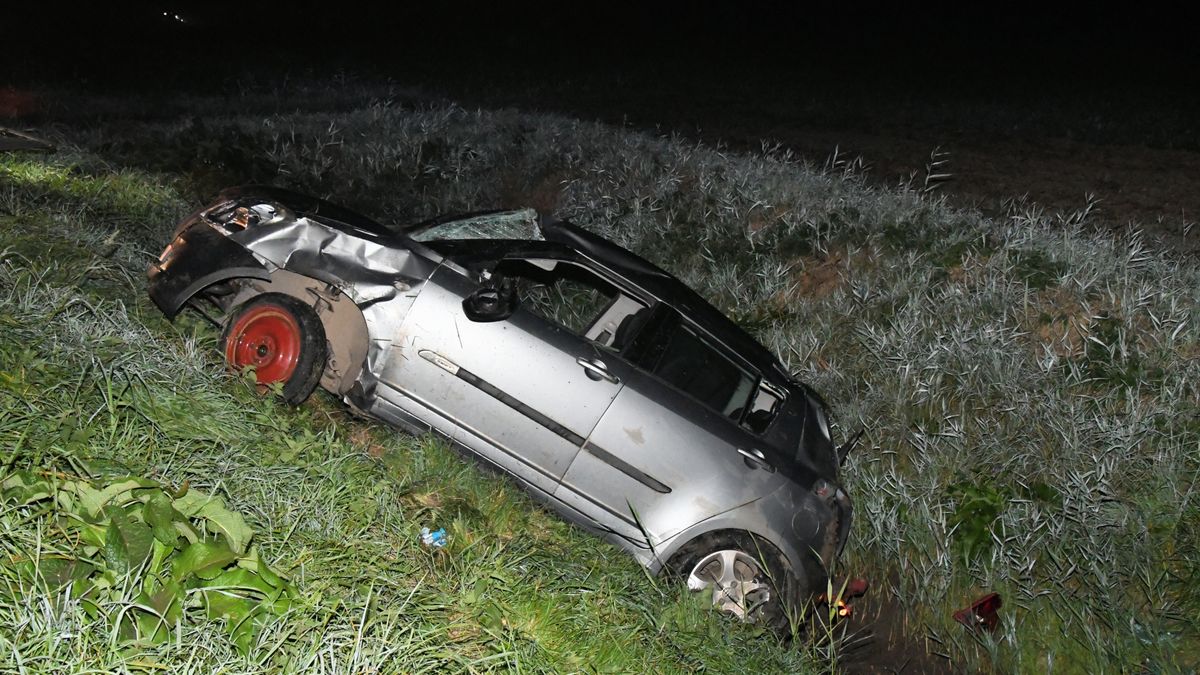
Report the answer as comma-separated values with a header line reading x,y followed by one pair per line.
x,y
977,509
144,557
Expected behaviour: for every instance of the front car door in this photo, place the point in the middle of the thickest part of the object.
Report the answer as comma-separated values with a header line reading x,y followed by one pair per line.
x,y
525,391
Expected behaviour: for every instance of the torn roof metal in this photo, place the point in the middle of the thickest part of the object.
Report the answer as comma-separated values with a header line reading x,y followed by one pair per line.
x,y
497,233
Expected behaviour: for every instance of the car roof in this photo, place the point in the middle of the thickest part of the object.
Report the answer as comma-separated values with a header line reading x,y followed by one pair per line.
x,y
652,279
666,288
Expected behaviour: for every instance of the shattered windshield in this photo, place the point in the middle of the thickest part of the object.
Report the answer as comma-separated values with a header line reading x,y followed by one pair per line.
x,y
520,224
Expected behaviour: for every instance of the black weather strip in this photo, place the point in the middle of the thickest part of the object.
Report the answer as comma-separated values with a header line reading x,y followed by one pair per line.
x,y
627,469
491,390
574,438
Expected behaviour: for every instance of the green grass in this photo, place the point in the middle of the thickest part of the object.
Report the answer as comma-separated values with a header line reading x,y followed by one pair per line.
x,y
95,385
1028,391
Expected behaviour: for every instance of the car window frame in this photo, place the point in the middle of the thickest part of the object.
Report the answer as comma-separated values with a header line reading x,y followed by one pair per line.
x,y
780,400
676,320
622,287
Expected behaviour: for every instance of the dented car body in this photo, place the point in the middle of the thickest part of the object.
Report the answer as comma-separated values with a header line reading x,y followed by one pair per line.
x,y
608,389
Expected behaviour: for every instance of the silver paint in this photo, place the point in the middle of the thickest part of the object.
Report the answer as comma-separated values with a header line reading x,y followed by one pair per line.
x,y
420,346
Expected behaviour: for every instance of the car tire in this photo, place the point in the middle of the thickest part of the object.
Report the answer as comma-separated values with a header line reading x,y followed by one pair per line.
x,y
282,339
746,575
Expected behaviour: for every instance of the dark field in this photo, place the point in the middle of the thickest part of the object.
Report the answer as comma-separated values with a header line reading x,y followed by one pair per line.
x,y
1127,152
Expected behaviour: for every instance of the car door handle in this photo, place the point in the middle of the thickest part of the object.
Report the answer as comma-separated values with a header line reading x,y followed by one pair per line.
x,y
756,459
596,370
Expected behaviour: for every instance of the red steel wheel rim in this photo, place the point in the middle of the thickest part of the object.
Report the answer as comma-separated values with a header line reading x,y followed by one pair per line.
x,y
268,338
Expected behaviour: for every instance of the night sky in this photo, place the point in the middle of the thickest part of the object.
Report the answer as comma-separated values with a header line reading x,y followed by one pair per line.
x,y
955,44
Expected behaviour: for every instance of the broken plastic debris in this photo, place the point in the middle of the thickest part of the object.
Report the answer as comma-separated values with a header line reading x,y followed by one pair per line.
x,y
435,538
981,613
853,588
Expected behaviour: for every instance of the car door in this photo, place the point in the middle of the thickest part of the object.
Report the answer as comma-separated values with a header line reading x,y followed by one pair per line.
x,y
524,391
679,443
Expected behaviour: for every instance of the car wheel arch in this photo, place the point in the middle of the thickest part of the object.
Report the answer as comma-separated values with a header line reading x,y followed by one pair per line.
x,y
689,538
345,326
175,302
804,565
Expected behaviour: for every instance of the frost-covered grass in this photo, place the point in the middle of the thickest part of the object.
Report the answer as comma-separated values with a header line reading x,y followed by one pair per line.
x,y
95,384
1028,388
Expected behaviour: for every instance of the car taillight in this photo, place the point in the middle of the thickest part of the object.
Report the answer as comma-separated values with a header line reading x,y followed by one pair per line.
x,y
822,421
839,504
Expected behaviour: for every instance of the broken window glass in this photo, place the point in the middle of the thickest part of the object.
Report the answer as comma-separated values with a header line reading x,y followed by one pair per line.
x,y
502,225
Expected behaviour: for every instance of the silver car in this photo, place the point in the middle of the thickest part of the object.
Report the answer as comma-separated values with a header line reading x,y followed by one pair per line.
x,y
607,388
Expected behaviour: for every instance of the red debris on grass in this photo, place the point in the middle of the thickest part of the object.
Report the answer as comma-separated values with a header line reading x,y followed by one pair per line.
x,y
853,588
981,613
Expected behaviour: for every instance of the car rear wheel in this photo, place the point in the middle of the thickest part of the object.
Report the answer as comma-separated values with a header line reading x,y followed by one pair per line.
x,y
744,575
281,339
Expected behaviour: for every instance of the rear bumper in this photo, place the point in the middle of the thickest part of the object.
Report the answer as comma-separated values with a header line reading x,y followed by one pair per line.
x,y
198,257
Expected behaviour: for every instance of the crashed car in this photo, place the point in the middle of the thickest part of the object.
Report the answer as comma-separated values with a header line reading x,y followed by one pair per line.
x,y
607,388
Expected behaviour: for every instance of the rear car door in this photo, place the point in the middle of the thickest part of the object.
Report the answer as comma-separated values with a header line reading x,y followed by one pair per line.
x,y
680,442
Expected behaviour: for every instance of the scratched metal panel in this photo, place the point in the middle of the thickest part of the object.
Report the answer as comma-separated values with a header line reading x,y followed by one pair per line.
x,y
665,438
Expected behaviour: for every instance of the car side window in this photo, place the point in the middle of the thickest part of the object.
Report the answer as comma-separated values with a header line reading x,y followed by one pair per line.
x,y
689,363
573,297
762,409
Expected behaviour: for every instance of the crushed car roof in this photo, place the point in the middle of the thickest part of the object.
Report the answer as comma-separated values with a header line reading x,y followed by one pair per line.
x,y
666,288
503,231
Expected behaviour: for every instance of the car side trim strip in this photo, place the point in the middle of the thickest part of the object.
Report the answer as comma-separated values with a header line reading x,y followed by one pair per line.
x,y
574,438
498,394
387,410
627,468
624,517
